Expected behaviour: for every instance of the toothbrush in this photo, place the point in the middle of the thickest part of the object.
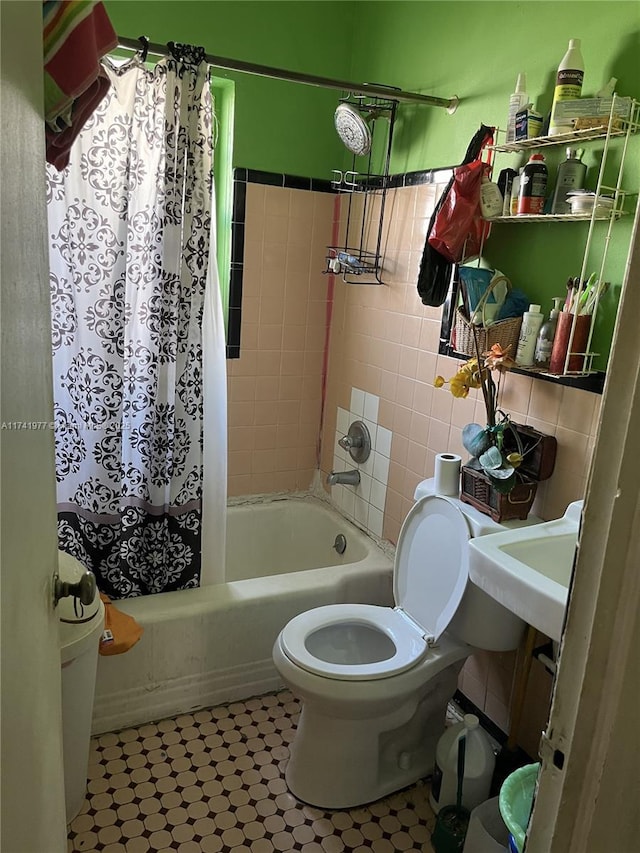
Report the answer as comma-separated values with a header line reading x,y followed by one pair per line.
x,y
584,296
594,298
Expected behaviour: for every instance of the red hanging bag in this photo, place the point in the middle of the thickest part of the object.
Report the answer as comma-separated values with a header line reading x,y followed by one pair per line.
x,y
459,230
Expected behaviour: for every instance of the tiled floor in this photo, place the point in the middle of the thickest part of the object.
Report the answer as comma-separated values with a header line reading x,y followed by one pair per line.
x,y
213,782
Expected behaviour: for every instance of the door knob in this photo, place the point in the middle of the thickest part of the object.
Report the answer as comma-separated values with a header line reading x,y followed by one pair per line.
x,y
84,589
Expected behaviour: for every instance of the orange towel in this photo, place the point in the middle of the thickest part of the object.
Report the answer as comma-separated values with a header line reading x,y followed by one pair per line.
x,y
121,631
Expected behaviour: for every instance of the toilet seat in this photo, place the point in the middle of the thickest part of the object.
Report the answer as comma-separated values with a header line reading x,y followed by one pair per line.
x,y
430,575
408,644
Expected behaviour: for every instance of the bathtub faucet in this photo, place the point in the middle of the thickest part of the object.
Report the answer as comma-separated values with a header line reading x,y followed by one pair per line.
x,y
344,478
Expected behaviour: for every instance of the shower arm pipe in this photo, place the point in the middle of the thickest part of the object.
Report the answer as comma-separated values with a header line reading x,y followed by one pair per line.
x,y
374,89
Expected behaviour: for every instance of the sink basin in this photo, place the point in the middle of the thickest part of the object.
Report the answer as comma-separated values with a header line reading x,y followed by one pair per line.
x,y
528,569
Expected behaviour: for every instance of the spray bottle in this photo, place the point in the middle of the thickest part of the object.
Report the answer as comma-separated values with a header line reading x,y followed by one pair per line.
x,y
568,85
517,101
544,341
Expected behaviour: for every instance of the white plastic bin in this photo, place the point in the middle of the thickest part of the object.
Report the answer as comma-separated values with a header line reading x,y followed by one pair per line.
x,y
80,630
487,832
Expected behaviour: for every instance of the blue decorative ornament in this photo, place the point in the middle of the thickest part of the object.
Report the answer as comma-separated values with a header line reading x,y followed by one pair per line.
x,y
475,439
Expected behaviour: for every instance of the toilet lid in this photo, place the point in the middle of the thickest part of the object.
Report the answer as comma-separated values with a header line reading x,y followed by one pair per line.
x,y
432,563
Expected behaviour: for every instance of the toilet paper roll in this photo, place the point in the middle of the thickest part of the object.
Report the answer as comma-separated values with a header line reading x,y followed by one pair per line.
x,y
448,474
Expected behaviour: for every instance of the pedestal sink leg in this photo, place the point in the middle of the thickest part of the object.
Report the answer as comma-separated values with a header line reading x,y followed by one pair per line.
x,y
520,689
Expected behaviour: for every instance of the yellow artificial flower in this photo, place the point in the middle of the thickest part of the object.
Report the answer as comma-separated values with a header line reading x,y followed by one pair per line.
x,y
458,385
468,376
472,375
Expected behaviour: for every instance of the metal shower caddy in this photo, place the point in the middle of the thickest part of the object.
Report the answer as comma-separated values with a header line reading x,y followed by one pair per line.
x,y
362,185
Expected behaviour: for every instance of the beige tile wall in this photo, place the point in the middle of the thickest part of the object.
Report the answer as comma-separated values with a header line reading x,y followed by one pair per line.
x,y
384,342
275,387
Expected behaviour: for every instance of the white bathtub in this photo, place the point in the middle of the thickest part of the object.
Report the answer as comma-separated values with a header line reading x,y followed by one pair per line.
x,y
210,645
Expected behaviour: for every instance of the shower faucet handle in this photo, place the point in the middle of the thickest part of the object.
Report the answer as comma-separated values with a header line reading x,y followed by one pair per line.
x,y
357,442
349,441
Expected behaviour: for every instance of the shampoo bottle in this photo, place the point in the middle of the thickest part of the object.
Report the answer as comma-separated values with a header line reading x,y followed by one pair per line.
x,y
571,175
544,341
517,101
568,85
531,322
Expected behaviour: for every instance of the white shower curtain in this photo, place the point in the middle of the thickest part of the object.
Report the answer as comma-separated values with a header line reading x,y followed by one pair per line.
x,y
133,277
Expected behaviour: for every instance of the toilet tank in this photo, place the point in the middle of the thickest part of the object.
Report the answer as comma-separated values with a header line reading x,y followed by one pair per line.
x,y
480,620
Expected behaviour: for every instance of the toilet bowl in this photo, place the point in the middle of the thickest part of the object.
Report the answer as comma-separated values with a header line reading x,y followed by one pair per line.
x,y
375,681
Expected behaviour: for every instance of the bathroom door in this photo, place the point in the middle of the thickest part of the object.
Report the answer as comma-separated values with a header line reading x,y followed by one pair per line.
x,y
588,790
33,813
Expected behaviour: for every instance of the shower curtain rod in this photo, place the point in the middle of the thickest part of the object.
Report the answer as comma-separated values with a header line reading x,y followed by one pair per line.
x,y
374,89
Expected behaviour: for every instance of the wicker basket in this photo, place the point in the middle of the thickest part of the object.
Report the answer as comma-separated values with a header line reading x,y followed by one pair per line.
x,y
504,332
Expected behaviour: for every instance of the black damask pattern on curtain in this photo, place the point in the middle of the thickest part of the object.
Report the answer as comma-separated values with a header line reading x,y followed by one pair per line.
x,y
129,231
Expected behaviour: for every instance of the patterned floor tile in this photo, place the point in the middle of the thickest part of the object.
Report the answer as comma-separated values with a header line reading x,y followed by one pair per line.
x,y
213,782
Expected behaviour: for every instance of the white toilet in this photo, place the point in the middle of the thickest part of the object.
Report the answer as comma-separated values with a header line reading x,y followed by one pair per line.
x,y
375,681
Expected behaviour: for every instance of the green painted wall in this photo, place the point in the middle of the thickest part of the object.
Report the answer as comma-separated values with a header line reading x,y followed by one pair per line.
x,y
279,126
441,47
475,50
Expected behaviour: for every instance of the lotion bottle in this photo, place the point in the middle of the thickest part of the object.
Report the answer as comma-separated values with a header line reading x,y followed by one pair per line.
x,y
491,201
517,101
531,322
568,85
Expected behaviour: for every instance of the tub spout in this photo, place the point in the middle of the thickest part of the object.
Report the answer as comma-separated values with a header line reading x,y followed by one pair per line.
x,y
344,478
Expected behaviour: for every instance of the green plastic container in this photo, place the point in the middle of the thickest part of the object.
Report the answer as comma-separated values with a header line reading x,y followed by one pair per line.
x,y
516,800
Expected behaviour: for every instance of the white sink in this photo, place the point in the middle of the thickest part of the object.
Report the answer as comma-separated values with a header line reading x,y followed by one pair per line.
x,y
528,569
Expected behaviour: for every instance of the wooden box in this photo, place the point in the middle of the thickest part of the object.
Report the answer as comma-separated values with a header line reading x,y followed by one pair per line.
x,y
477,490
539,451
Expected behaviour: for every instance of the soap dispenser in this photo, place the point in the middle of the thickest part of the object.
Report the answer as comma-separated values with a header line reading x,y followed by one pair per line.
x,y
544,341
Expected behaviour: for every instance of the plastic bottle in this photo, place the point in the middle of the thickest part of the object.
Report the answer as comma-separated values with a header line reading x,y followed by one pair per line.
x,y
533,186
505,182
479,764
544,341
517,101
491,201
515,192
608,89
571,175
568,85
531,322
